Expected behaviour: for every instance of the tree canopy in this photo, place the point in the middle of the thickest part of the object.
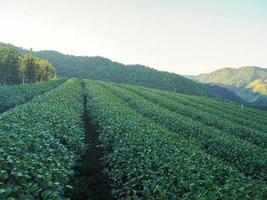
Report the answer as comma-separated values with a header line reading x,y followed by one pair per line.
x,y
35,69
9,66
16,69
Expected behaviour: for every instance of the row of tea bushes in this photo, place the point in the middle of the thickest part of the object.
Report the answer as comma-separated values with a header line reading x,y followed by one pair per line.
x,y
248,158
11,96
146,161
39,144
243,131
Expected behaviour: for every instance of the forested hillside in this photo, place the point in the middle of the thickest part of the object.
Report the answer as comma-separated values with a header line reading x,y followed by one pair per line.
x,y
249,83
224,93
239,77
99,68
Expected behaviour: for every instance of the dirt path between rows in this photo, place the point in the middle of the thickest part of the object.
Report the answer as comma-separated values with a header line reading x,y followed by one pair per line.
x,y
89,181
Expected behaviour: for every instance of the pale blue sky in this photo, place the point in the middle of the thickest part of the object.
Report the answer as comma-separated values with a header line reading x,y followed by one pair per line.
x,y
181,36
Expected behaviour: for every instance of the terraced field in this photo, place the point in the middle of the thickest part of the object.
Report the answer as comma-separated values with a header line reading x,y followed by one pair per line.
x,y
98,140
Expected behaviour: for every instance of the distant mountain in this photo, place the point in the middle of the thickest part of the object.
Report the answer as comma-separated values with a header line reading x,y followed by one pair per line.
x,y
249,83
224,94
99,68
240,77
259,86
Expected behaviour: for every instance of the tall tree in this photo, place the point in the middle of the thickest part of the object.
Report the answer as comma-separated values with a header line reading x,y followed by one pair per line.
x,y
29,69
9,65
45,71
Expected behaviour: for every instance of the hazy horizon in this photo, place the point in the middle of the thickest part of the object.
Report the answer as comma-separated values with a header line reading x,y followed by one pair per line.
x,y
184,37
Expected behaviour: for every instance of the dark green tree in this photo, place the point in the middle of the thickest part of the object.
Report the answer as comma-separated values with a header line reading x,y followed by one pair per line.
x,y
45,71
29,69
9,66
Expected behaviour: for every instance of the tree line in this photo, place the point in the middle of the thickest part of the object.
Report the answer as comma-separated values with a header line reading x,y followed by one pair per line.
x,y
17,69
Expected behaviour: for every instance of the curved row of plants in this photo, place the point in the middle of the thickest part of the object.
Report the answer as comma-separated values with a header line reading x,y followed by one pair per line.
x,y
147,161
221,109
246,112
11,96
248,158
39,144
254,136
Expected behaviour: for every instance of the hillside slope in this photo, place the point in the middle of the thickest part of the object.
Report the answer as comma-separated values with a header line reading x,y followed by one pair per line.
x,y
239,77
224,93
249,83
99,68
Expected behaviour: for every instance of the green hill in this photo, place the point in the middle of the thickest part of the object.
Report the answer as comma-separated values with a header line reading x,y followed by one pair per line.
x,y
224,93
238,78
99,68
259,86
249,83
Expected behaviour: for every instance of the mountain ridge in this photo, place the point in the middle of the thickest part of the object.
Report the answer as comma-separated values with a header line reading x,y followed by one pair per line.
x,y
100,68
236,77
248,82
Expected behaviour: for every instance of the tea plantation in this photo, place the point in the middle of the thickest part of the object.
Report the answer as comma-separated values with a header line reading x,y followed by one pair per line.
x,y
128,142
